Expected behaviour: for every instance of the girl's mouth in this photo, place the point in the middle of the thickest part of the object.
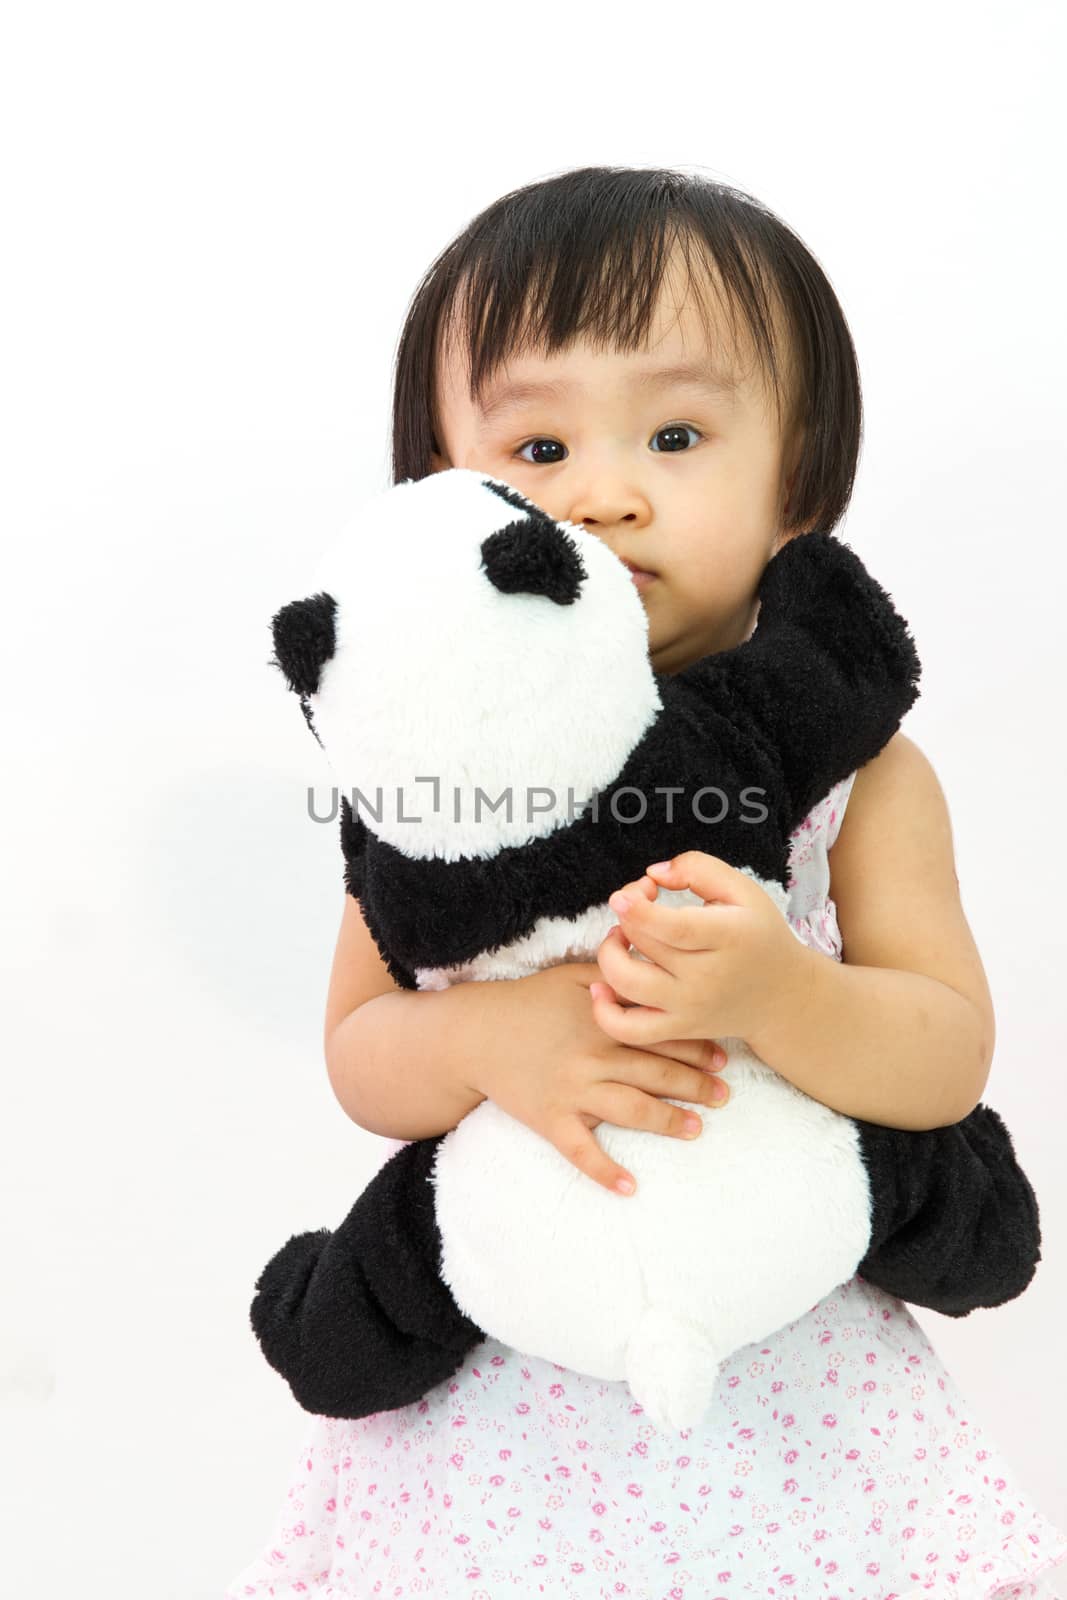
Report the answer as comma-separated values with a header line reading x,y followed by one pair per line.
x,y
640,577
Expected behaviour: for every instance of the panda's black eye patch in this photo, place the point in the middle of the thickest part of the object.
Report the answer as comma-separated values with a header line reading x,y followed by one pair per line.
x,y
304,640
534,556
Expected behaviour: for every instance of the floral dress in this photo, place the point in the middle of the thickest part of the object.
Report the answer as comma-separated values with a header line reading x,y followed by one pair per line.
x,y
839,1461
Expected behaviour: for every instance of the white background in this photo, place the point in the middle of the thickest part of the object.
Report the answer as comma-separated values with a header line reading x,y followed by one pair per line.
x,y
214,217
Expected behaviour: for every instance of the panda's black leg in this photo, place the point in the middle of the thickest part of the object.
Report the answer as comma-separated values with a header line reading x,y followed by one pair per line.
x,y
358,1320
955,1222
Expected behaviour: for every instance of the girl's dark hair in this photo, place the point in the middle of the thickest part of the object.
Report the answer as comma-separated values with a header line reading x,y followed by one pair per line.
x,y
584,253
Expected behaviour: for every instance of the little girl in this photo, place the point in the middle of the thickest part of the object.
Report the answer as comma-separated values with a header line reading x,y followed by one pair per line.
x,y
579,329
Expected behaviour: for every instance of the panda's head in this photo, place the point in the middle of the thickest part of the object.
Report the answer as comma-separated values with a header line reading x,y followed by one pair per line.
x,y
457,639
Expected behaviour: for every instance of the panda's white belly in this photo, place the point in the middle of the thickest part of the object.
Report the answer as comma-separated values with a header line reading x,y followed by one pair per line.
x,y
741,1230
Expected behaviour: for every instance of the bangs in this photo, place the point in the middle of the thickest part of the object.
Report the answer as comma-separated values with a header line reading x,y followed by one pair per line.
x,y
589,254
518,298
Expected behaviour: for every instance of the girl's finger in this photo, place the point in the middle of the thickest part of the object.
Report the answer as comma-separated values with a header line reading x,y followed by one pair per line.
x,y
643,982
673,927
639,1025
667,957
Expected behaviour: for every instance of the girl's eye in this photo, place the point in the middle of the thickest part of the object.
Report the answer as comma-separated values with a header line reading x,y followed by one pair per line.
x,y
674,430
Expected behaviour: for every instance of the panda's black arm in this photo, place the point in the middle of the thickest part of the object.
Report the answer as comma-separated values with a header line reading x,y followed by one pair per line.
x,y
955,1221
359,1320
827,675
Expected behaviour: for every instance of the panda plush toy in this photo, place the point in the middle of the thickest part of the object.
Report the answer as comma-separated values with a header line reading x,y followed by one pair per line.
x,y
478,676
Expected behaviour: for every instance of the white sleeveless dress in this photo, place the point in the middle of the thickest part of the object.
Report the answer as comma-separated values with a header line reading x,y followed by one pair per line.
x,y
840,1462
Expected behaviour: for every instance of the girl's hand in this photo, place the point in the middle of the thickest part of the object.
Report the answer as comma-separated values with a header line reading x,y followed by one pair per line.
x,y
541,1057
712,971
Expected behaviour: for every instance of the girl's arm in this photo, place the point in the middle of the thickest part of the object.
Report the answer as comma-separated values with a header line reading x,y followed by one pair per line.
x,y
901,1031
410,1064
397,1058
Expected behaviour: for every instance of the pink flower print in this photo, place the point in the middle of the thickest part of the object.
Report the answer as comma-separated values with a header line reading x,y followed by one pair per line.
x,y
634,1491
505,1455
829,1420
331,1504
599,1509
556,1391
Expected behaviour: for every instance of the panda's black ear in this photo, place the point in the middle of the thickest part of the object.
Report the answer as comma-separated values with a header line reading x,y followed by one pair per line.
x,y
304,640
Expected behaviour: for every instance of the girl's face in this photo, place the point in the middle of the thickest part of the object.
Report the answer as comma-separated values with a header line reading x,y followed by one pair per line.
x,y
685,477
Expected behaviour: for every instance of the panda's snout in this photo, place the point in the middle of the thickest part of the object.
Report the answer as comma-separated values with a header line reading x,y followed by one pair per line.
x,y
534,556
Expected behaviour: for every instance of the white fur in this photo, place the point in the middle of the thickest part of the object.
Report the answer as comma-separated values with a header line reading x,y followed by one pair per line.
x,y
422,727
726,1239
